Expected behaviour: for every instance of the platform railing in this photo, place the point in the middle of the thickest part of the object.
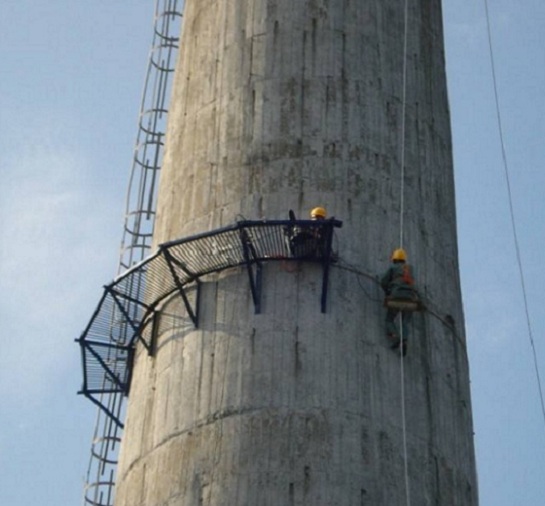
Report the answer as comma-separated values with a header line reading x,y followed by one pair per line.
x,y
177,269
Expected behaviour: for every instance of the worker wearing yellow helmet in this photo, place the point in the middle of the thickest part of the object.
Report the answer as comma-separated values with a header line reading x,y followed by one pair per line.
x,y
399,255
399,286
318,239
318,213
307,241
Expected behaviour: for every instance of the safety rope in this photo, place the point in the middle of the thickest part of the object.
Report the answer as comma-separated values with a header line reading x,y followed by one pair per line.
x,y
402,140
401,227
511,211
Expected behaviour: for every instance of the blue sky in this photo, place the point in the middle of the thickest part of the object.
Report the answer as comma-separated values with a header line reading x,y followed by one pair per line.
x,y
72,76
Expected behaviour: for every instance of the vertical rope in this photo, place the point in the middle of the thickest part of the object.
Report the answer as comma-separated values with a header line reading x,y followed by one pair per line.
x,y
401,227
403,421
403,115
512,213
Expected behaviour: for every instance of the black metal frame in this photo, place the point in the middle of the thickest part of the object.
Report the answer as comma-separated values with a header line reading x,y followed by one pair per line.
x,y
177,265
193,313
250,257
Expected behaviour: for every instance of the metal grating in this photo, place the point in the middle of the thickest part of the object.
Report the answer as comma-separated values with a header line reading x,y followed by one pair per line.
x,y
133,298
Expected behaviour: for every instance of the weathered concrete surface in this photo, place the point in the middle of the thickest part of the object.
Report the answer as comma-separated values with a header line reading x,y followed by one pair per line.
x,y
283,104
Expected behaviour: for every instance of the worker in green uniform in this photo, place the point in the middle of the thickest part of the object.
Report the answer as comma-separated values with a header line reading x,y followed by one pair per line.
x,y
401,298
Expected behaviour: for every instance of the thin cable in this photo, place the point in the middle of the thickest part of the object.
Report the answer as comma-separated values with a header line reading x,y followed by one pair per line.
x,y
511,210
401,226
403,421
403,114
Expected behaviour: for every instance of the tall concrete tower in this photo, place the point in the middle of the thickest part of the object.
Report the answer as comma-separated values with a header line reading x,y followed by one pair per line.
x,y
289,104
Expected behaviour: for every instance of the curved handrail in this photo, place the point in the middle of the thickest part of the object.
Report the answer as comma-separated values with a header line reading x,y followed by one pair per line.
x,y
133,298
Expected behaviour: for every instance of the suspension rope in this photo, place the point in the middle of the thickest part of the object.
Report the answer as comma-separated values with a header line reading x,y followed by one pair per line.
x,y
403,115
403,421
401,226
511,210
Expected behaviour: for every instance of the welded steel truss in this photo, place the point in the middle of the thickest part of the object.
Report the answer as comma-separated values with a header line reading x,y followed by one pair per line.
x,y
130,303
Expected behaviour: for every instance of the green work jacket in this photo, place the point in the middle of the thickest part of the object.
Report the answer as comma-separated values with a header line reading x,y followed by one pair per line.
x,y
396,282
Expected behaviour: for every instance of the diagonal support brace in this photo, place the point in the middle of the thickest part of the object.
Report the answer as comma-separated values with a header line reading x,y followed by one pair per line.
x,y
193,313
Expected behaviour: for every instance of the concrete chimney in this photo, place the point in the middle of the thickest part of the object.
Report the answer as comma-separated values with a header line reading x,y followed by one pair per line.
x,y
291,104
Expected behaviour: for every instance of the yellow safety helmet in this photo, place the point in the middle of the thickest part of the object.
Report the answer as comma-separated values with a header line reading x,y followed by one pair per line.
x,y
399,254
318,212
